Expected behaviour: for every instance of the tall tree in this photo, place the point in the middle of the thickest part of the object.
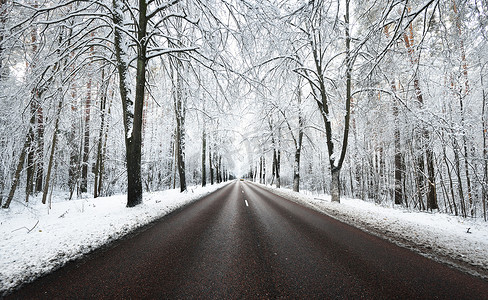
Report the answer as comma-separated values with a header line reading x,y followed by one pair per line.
x,y
86,137
3,20
204,155
132,109
318,14
98,171
424,136
141,18
35,153
180,103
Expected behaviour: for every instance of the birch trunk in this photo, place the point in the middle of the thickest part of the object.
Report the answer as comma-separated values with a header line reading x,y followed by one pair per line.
x,y
86,139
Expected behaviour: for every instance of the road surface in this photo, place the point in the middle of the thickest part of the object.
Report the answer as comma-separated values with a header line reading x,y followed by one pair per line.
x,y
245,242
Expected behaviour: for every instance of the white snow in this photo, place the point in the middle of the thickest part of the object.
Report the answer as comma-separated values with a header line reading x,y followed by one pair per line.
x,y
456,241
36,240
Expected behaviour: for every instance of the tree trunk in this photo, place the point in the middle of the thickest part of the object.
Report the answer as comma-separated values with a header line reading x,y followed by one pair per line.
x,y
222,169
3,20
180,111
53,151
432,194
321,98
451,185
204,157
275,158
134,187
399,166
73,171
210,164
216,167
132,119
296,171
179,100
298,142
3,75
175,161
462,94
20,166
36,153
447,200
466,161
336,167
458,174
261,169
55,133
29,187
134,196
98,163
219,169
180,151
103,154
424,136
86,139
335,186
34,106
278,167
381,172
40,148
420,167
485,147
399,170
273,169
398,159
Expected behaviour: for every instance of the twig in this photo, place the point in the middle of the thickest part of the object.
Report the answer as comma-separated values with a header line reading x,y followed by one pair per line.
x,y
28,230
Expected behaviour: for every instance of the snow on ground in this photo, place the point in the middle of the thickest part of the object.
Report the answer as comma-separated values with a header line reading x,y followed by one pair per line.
x,y
459,242
36,240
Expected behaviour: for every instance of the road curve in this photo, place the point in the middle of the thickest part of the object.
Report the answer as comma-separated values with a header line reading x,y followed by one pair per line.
x,y
245,242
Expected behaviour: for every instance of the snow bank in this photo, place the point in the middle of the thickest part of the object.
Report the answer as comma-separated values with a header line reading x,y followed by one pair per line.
x,y
36,240
461,243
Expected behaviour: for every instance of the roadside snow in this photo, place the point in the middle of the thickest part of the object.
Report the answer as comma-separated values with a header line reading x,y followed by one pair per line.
x,y
36,240
461,243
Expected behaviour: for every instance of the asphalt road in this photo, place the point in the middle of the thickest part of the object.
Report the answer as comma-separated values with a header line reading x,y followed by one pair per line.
x,y
245,242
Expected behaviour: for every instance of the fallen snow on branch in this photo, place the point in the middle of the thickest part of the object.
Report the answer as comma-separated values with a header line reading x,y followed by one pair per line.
x,y
36,240
459,242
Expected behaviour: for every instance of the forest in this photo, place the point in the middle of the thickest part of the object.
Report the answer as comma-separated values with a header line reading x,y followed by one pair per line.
x,y
383,101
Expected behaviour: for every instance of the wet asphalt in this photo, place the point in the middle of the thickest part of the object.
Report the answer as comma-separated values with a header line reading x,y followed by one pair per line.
x,y
243,242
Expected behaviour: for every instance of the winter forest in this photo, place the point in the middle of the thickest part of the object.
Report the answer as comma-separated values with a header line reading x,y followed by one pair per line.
x,y
378,100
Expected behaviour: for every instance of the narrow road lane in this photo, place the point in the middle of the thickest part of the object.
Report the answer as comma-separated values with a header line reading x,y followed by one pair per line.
x,y
245,242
